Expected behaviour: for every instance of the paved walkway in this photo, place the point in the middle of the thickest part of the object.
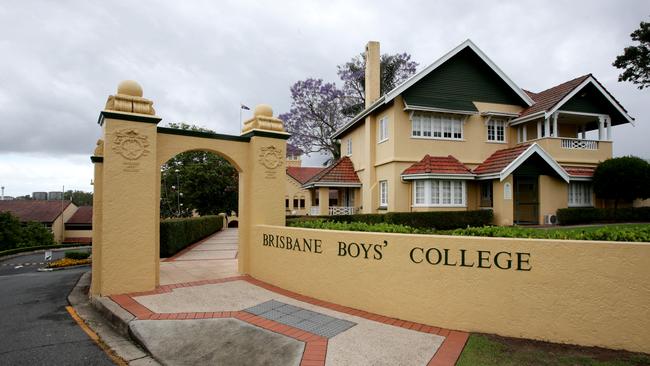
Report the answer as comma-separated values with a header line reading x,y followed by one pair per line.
x,y
204,313
211,258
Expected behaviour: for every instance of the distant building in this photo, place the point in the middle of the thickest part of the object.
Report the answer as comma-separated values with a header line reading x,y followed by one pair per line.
x,y
68,222
55,196
42,196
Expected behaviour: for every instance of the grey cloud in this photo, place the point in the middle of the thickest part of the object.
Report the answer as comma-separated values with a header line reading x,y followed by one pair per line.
x,y
199,60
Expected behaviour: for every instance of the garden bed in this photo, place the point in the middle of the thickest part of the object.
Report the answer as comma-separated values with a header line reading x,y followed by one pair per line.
x,y
620,232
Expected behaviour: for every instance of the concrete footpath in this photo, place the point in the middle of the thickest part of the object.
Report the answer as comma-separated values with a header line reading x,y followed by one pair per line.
x,y
204,313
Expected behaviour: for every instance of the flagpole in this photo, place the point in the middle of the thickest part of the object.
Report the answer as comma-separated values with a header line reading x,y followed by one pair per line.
x,y
241,127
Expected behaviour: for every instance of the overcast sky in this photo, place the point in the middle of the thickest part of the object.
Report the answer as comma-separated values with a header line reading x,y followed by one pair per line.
x,y
197,60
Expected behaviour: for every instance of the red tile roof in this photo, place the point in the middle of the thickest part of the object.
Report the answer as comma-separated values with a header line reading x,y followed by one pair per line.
x,y
500,159
579,171
31,210
83,215
302,174
342,171
548,98
437,165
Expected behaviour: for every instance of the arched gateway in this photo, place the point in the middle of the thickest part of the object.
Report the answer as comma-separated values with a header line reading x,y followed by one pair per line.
x,y
126,211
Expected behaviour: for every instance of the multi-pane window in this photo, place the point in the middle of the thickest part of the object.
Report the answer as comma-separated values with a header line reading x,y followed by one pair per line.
x,y
382,133
439,192
383,193
437,126
496,130
580,194
349,147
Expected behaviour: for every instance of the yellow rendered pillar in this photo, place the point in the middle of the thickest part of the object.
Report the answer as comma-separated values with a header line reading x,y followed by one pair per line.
x,y
126,225
262,188
324,201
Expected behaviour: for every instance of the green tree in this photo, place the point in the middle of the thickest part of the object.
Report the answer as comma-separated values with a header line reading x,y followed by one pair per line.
x,y
79,198
10,231
14,234
197,180
34,234
622,179
635,60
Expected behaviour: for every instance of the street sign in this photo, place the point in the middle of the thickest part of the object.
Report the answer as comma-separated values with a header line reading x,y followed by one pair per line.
x,y
48,255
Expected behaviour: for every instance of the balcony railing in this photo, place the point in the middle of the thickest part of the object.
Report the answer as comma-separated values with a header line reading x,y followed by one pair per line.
x,y
342,210
579,144
334,210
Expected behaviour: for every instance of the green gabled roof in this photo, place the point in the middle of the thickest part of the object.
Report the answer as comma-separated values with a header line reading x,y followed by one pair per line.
x,y
471,76
459,81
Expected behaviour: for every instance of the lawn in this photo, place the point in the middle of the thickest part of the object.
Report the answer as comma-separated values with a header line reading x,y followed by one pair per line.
x,y
490,350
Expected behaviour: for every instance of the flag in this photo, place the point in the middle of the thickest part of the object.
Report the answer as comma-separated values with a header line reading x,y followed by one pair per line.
x,y
244,107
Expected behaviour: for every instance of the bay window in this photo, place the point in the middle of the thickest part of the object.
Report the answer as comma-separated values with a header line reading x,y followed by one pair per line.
x,y
439,193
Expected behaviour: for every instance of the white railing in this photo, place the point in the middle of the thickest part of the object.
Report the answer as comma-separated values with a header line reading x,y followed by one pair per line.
x,y
314,211
579,144
341,210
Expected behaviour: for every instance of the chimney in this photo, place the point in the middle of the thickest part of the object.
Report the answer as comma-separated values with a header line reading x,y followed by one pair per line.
x,y
373,73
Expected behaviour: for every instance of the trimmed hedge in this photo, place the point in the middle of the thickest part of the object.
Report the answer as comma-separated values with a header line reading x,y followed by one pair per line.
x,y
77,255
176,234
435,220
576,216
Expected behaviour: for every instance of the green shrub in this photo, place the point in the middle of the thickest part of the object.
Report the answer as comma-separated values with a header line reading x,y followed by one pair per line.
x,y
77,255
358,226
635,233
575,216
441,220
176,234
436,220
14,234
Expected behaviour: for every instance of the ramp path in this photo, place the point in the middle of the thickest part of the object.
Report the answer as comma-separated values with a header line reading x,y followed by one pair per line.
x,y
262,324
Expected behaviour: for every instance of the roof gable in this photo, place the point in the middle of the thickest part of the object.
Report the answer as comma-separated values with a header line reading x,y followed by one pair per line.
x,y
583,94
437,165
524,98
302,174
504,162
341,173
459,81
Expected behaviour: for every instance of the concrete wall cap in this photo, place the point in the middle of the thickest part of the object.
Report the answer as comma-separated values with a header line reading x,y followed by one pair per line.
x,y
129,87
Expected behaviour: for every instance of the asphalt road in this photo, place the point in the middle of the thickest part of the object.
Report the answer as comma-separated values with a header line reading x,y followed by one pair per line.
x,y
35,327
30,262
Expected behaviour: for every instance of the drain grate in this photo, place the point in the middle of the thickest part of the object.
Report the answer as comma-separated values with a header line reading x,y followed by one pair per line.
x,y
297,317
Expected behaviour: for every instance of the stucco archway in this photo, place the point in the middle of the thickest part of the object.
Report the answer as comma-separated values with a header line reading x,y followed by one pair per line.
x,y
126,208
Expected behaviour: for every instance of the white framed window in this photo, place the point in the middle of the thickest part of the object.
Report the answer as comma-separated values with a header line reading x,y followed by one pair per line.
x,y
436,126
580,194
383,193
382,129
496,130
439,193
349,147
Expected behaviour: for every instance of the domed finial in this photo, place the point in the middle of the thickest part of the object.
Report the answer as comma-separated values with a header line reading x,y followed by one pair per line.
x,y
263,110
129,87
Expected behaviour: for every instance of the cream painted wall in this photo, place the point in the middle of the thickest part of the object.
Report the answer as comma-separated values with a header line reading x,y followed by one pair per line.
x,y
78,234
503,208
553,194
58,228
294,190
577,292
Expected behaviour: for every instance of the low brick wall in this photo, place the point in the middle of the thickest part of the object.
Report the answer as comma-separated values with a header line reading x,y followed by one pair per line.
x,y
579,292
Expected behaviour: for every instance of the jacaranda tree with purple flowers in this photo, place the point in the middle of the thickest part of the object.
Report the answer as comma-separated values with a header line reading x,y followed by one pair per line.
x,y
395,69
319,108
